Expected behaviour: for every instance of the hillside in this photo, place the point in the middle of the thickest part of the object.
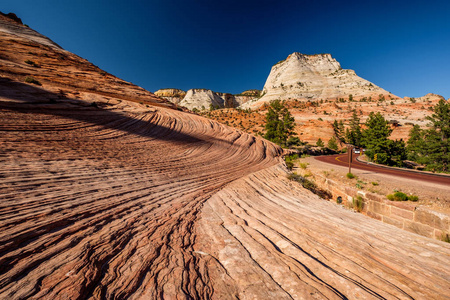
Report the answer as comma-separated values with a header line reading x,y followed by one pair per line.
x,y
109,192
307,77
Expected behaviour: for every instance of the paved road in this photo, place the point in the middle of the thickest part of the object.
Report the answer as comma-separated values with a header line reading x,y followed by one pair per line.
x,y
342,160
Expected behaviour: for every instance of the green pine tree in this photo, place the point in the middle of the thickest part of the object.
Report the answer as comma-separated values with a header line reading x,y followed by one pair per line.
x,y
375,139
320,143
332,143
432,146
279,123
353,135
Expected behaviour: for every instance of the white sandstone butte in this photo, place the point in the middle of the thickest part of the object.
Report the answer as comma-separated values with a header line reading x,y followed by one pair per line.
x,y
308,77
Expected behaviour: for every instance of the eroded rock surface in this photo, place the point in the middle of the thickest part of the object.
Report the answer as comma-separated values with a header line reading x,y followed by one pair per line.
x,y
102,197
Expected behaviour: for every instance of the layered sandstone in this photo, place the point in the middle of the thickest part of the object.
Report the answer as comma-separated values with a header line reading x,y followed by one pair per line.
x,y
318,76
173,95
202,99
107,198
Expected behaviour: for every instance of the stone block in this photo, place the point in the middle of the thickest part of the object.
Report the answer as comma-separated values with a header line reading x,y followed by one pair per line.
x,y
396,223
418,228
405,214
374,197
403,205
432,218
374,215
379,208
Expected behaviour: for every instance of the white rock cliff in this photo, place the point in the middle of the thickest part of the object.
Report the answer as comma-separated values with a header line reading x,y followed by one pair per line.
x,y
317,76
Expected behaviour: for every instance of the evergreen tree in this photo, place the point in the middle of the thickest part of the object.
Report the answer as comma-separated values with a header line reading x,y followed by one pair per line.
x,y
320,143
416,144
279,123
432,146
332,143
379,148
353,135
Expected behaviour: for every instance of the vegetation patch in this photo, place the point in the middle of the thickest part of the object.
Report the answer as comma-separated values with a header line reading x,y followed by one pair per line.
x,y
350,176
400,196
358,204
309,185
289,159
30,79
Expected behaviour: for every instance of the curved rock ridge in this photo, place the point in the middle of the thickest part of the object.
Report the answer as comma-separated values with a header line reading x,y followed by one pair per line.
x,y
317,76
102,203
273,240
16,28
28,55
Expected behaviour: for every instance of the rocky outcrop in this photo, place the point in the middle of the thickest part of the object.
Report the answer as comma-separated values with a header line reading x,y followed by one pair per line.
x,y
28,56
309,77
202,99
428,97
12,16
173,95
246,96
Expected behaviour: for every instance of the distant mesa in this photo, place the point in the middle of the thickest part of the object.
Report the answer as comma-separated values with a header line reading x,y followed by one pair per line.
x,y
317,76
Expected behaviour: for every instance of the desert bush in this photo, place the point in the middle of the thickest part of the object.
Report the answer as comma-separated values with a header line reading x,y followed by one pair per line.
x,y
303,165
310,185
350,175
289,159
445,237
358,204
400,196
30,79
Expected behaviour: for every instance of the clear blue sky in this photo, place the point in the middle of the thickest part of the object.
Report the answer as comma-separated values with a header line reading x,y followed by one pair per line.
x,y
230,45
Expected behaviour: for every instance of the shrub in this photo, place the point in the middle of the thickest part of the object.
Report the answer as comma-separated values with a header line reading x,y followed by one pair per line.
x,y
445,237
289,159
374,183
30,79
308,184
303,165
358,204
413,198
350,176
400,196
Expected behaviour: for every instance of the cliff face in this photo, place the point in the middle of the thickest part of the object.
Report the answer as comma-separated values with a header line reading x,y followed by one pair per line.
x,y
202,99
314,77
173,95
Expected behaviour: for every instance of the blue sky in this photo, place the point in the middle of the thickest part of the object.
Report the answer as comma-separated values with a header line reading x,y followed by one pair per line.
x,y
230,45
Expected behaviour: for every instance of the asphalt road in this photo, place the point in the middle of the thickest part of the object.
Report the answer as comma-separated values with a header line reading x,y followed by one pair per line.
x,y
342,160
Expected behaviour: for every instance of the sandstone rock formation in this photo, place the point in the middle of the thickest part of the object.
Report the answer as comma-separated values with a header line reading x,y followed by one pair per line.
x,y
428,97
26,53
246,96
202,99
141,201
173,95
318,76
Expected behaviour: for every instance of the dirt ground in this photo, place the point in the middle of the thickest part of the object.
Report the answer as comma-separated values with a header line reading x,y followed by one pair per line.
x,y
434,196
